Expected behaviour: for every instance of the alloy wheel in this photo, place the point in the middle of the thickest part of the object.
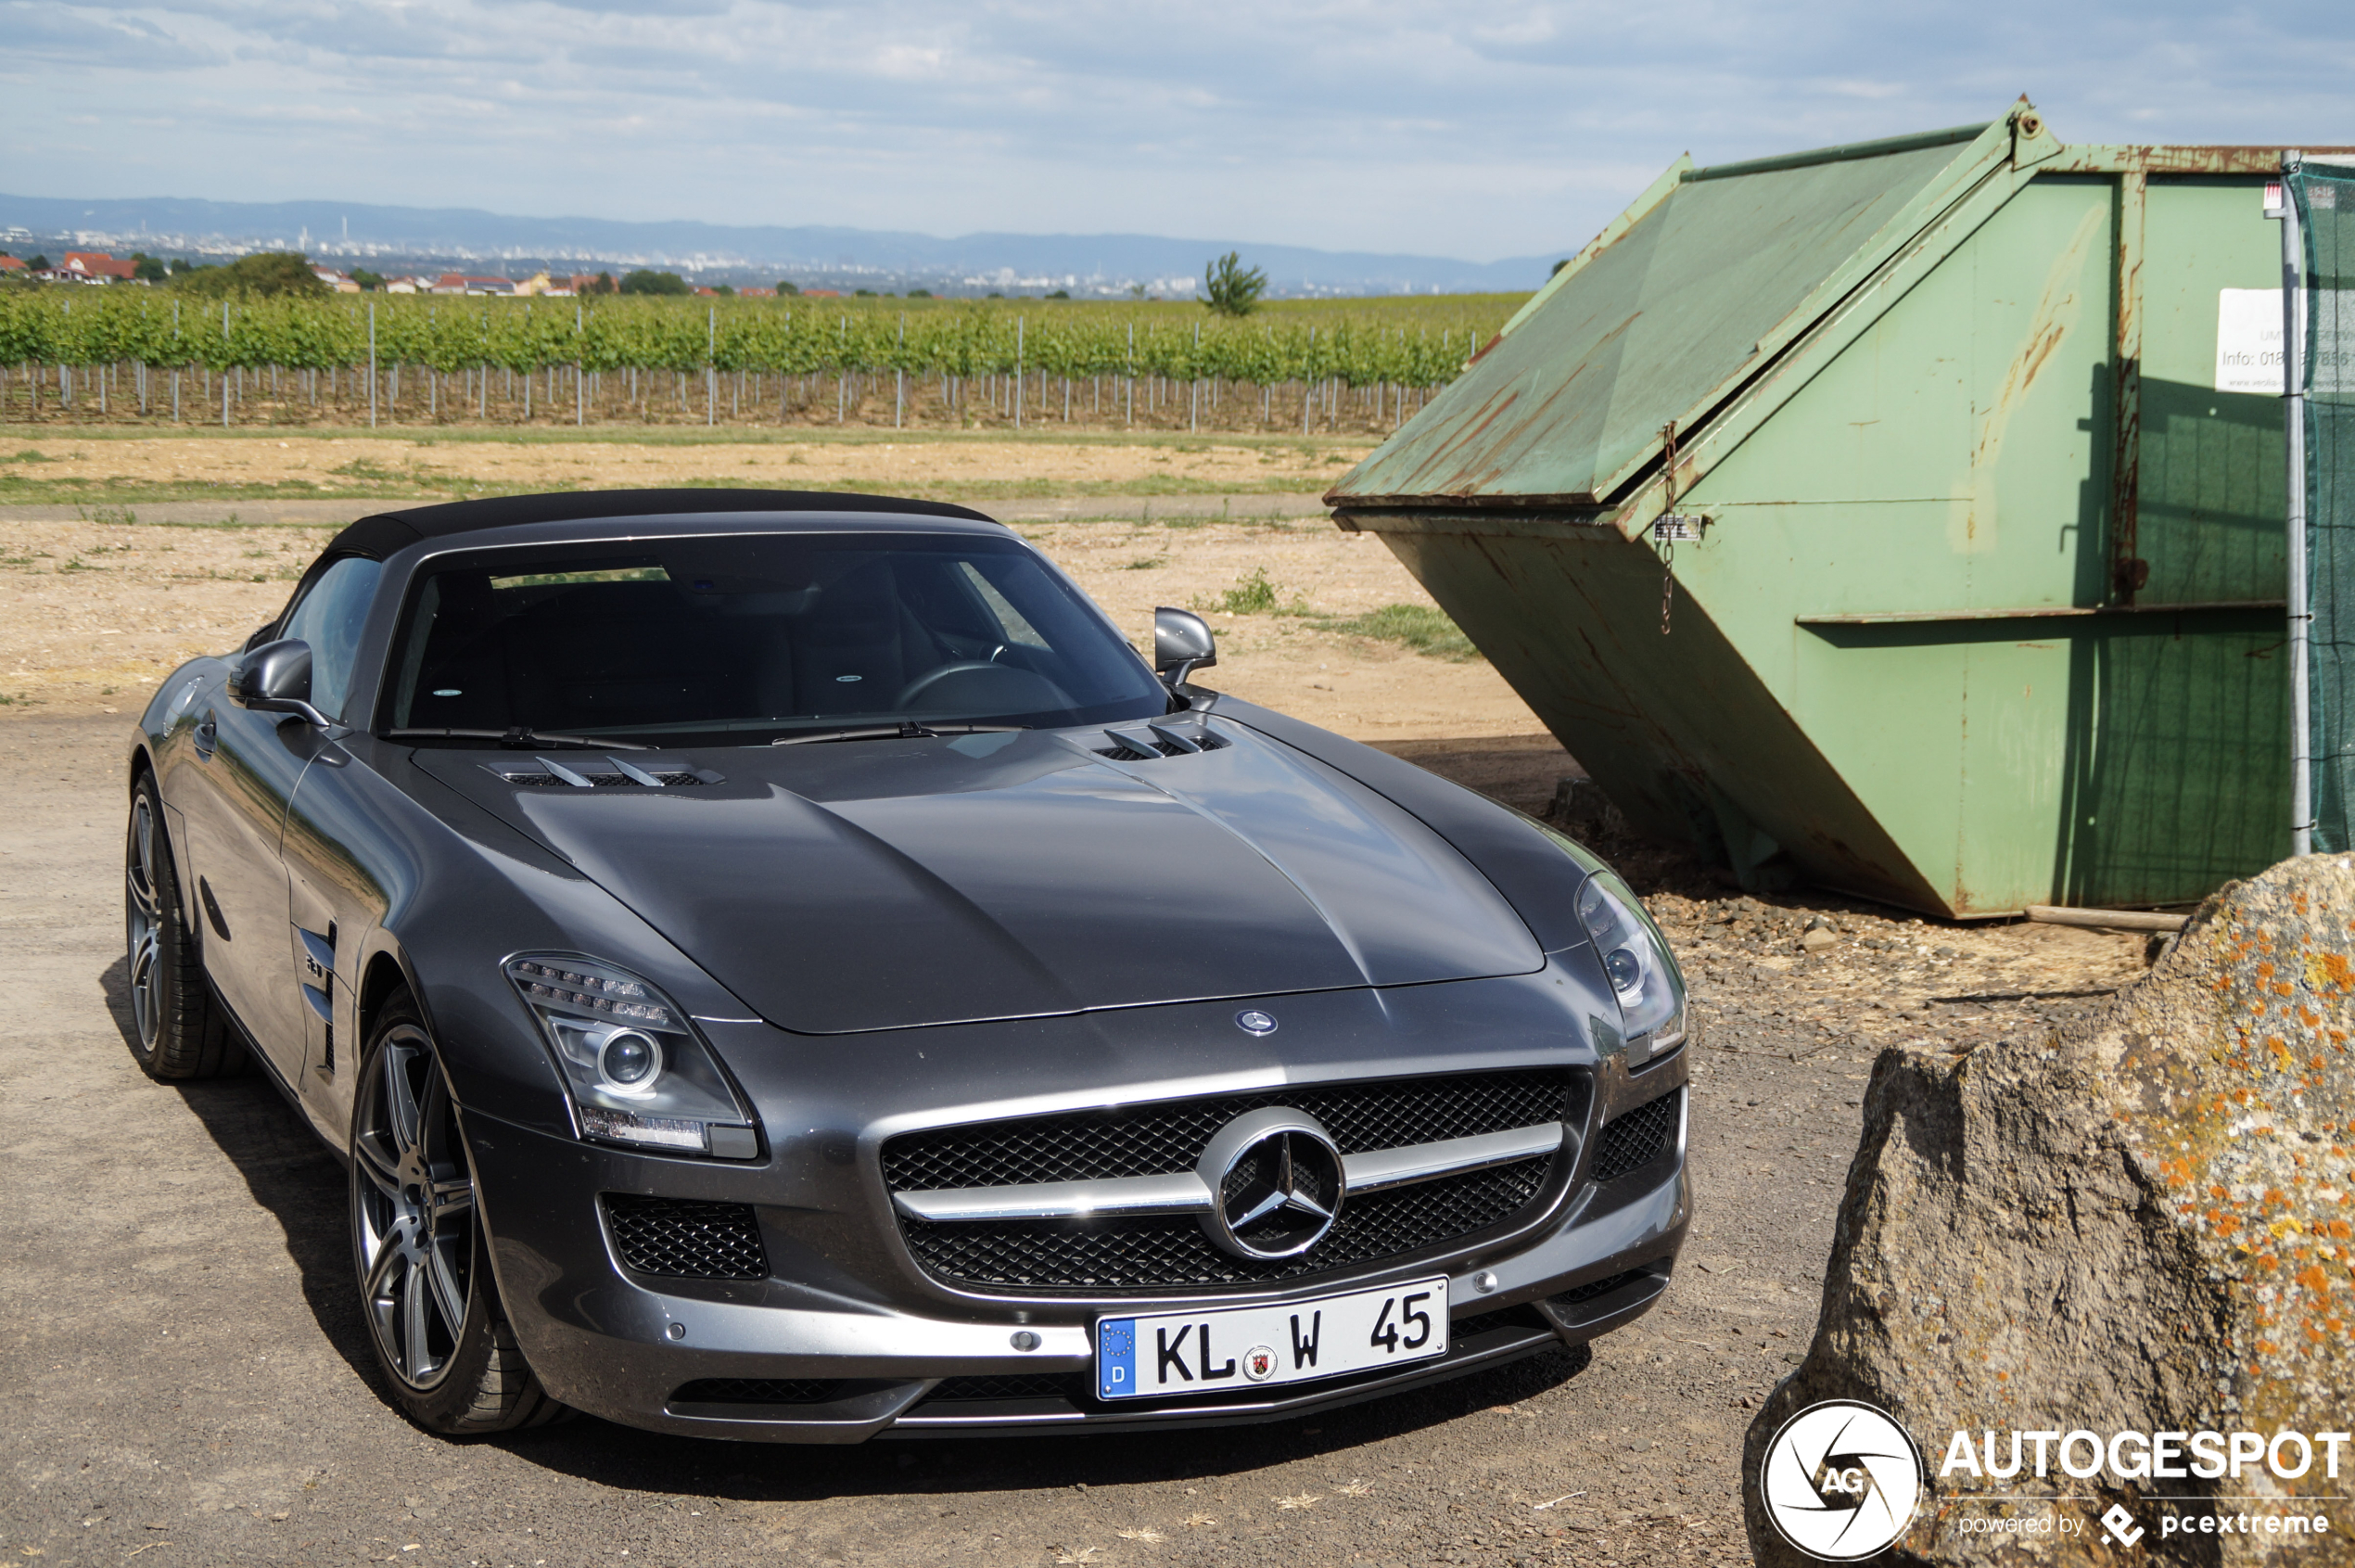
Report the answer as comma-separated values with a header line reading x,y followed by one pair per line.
x,y
412,1210
143,922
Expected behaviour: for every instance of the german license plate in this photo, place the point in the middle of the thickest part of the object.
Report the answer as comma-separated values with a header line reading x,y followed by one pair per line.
x,y
1260,1346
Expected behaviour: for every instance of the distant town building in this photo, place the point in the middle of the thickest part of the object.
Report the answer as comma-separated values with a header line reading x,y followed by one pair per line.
x,y
342,283
541,284
94,266
821,293
756,293
10,264
460,282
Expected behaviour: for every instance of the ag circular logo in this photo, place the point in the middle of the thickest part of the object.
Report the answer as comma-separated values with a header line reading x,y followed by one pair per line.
x,y
1841,1480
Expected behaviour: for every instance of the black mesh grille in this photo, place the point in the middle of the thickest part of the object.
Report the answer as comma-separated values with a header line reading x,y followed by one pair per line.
x,y
1159,1140
761,1391
1633,1138
686,1240
1163,1252
1463,1328
1596,1288
1037,1386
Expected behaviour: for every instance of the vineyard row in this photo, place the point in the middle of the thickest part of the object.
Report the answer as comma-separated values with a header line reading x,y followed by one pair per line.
x,y
569,394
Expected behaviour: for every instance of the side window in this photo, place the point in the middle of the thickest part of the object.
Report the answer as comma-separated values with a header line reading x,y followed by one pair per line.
x,y
328,618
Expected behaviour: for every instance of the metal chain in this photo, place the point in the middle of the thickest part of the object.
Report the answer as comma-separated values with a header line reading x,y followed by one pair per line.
x,y
1668,542
1667,580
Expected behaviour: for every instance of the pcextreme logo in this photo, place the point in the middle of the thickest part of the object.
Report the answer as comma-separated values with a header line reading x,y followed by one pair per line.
x,y
1841,1480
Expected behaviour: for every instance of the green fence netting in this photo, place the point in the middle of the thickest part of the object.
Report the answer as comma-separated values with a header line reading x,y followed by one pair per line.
x,y
2325,198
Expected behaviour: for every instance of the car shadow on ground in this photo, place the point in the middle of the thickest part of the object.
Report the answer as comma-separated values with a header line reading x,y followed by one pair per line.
x,y
288,1172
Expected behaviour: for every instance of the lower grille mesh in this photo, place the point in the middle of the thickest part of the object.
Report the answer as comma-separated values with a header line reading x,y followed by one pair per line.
x,y
1594,1288
683,1239
1633,1138
759,1391
1039,1385
1159,1253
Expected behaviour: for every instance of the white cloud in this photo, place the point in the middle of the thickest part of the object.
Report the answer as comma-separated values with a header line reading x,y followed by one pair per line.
x,y
1516,127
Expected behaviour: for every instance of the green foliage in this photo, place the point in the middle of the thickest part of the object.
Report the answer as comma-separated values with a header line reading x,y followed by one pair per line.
x,y
786,287
265,275
1411,341
37,264
1060,294
723,291
1231,288
645,281
146,268
371,281
1250,596
1422,628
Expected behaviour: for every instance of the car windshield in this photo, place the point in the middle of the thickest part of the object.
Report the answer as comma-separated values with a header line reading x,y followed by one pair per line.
x,y
752,638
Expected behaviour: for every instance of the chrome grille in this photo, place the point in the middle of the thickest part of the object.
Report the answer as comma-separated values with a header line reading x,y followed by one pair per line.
x,y
1163,1138
1163,1253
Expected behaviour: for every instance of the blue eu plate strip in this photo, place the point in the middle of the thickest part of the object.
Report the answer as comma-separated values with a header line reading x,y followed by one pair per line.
x,y
1116,1357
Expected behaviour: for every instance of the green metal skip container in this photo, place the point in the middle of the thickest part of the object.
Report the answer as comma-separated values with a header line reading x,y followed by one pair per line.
x,y
1905,516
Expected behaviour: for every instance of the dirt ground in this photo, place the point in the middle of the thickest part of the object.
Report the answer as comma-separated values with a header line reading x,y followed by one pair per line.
x,y
190,1382
448,464
94,613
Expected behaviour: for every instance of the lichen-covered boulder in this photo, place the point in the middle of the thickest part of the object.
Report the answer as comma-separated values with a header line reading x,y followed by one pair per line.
x,y
2140,1224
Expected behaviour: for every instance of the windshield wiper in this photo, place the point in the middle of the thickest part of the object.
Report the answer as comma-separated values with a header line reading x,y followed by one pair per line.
x,y
522,737
906,730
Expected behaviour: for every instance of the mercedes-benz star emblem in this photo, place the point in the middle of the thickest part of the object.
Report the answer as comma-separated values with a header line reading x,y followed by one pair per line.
x,y
1276,1182
1253,1022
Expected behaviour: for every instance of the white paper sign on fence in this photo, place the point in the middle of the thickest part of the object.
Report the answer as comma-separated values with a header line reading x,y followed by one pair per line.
x,y
2249,340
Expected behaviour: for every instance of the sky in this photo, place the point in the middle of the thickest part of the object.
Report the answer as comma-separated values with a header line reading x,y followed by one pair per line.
x,y
1467,130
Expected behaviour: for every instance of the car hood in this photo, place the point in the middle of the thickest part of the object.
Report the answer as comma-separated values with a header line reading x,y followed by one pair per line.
x,y
879,885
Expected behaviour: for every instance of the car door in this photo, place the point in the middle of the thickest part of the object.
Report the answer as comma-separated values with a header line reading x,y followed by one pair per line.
x,y
249,764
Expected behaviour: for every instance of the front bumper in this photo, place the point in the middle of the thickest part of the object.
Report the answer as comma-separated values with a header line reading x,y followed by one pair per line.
x,y
622,1347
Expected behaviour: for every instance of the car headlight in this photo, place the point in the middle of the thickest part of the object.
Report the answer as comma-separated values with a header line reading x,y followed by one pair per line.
x,y
638,1073
1644,977
1645,980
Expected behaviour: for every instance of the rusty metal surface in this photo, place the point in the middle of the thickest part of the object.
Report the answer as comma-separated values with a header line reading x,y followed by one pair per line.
x,y
2037,612
1655,326
2128,570
2154,160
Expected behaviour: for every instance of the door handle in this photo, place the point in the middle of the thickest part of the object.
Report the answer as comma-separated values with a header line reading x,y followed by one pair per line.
x,y
207,736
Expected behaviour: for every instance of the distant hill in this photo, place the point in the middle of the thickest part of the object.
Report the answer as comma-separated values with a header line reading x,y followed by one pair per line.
x,y
714,252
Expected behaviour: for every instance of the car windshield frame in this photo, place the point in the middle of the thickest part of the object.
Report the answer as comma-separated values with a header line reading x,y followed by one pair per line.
x,y
957,601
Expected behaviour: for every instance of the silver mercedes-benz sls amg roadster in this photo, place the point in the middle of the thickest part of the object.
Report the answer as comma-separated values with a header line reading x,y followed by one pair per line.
x,y
781,966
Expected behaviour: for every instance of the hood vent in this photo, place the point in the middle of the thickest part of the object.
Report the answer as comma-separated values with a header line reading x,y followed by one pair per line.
x,y
1148,743
616,774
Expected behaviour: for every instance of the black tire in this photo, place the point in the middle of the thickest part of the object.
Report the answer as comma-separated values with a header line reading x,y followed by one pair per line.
x,y
420,1249
176,1030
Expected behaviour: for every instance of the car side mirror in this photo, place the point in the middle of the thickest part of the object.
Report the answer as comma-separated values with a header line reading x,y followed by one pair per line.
x,y
1182,643
276,678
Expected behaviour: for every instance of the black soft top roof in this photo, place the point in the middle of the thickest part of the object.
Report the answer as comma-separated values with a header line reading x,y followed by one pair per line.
x,y
387,531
